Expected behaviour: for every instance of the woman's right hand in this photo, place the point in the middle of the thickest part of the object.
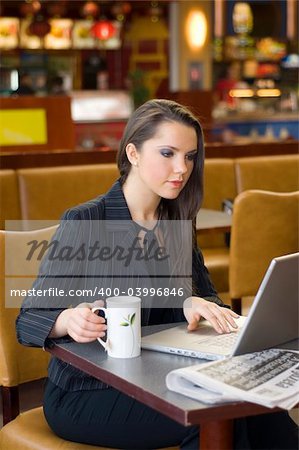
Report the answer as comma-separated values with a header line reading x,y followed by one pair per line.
x,y
80,323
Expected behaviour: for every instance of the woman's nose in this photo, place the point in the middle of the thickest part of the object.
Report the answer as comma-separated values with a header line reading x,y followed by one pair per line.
x,y
180,166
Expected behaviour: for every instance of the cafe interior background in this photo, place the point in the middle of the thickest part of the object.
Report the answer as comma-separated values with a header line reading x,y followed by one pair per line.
x,y
239,59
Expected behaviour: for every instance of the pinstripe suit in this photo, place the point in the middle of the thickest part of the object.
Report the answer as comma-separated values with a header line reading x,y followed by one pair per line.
x,y
82,409
35,320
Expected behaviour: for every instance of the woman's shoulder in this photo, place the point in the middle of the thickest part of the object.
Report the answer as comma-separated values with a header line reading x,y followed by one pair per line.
x,y
96,209
92,210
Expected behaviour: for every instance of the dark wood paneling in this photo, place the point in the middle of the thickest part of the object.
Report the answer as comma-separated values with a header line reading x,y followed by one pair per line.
x,y
57,158
218,150
66,157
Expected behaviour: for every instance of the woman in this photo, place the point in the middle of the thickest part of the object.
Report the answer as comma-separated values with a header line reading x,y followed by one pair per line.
x,y
160,161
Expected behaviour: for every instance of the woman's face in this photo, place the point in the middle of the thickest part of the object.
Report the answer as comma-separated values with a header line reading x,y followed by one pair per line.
x,y
165,162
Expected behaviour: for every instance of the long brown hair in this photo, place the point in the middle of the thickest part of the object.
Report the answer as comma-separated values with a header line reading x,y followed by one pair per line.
x,y
141,127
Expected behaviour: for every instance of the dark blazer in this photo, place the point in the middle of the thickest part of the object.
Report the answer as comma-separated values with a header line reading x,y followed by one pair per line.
x,y
80,225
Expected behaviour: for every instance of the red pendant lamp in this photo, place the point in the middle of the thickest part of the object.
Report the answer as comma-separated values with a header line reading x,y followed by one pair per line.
x,y
39,27
103,29
90,10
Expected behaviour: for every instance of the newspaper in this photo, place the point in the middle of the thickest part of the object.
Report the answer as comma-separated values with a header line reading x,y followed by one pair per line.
x,y
269,378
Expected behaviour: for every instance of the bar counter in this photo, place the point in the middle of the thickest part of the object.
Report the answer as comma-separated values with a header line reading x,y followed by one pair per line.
x,y
258,124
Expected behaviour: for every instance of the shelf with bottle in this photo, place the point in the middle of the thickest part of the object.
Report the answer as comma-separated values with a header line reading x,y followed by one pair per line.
x,y
59,33
243,47
42,66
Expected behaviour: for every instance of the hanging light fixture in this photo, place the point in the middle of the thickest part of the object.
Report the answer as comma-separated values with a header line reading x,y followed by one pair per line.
x,y
29,8
103,29
90,10
120,10
126,7
40,26
57,8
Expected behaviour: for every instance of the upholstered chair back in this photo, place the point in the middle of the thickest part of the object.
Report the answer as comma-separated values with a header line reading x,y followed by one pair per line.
x,y
265,225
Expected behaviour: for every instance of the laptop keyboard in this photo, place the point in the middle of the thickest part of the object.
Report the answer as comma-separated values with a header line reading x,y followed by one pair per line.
x,y
226,340
223,341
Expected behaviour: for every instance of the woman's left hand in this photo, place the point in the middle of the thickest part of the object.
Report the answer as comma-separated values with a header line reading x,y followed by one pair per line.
x,y
221,319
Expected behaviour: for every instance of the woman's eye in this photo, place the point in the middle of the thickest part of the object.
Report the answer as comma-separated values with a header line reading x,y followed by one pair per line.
x,y
167,153
191,157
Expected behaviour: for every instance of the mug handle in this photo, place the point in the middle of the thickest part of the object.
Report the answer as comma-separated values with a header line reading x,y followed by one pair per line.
x,y
103,343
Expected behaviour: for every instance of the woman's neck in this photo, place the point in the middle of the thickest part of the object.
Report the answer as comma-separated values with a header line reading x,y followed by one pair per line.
x,y
142,204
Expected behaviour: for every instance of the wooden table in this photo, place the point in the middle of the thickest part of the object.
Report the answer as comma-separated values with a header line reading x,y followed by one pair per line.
x,y
143,378
210,220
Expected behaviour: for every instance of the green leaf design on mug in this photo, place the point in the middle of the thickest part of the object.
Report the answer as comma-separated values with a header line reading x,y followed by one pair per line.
x,y
128,322
132,318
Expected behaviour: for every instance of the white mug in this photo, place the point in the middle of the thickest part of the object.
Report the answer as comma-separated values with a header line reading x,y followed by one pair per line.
x,y
123,315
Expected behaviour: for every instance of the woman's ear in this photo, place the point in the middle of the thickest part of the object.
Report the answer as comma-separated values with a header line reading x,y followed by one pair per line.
x,y
132,154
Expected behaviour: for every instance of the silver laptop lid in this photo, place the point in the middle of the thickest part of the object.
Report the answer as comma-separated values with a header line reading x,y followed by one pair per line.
x,y
270,326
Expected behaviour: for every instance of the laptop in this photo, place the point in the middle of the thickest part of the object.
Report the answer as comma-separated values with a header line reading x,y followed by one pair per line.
x,y
272,320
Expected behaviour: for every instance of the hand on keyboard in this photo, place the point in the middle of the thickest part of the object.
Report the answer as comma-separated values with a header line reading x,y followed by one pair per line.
x,y
221,319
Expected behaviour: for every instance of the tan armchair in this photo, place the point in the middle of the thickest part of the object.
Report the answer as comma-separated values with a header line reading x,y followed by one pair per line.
x,y
18,364
276,173
219,184
45,193
9,197
265,225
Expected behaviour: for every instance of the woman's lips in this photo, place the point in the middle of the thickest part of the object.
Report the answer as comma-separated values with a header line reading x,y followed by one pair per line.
x,y
176,183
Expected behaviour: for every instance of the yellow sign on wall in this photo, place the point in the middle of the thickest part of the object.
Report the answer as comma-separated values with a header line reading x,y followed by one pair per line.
x,y
23,126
